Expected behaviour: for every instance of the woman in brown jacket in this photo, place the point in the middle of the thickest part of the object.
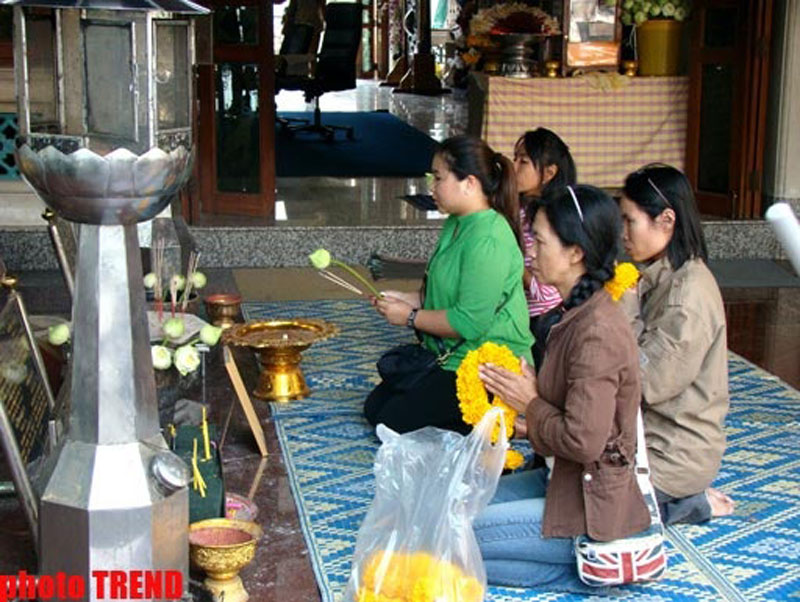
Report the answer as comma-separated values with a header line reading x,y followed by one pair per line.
x,y
680,324
581,409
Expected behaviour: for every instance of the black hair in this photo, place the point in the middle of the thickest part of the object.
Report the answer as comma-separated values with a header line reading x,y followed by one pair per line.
x,y
470,156
544,148
596,230
657,187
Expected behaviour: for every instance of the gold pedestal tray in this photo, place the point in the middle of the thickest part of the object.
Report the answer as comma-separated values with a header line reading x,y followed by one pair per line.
x,y
279,344
222,547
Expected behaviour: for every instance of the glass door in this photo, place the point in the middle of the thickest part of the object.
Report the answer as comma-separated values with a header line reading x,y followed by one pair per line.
x,y
236,126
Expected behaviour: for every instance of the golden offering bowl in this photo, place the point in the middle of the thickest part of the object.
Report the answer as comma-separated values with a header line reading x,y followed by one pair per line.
x,y
222,547
630,68
223,308
279,344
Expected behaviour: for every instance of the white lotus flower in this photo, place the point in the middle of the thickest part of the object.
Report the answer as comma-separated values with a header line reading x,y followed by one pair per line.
x,y
187,359
162,357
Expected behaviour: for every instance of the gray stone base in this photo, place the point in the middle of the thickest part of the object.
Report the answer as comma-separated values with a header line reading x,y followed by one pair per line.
x,y
29,248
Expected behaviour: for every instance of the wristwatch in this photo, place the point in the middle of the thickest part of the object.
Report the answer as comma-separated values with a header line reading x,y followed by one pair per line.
x,y
412,315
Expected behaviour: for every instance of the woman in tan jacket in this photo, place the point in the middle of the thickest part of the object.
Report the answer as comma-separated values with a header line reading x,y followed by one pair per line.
x,y
680,323
581,409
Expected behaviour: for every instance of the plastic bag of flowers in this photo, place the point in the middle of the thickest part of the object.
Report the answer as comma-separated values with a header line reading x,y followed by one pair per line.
x,y
416,541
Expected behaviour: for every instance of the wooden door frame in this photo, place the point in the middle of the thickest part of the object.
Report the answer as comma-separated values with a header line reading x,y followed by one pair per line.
x,y
749,60
211,200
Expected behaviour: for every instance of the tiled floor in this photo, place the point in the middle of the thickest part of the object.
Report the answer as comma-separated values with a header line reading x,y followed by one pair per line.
x,y
320,201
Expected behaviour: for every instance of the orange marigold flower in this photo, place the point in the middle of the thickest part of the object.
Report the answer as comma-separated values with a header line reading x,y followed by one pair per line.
x,y
473,399
625,276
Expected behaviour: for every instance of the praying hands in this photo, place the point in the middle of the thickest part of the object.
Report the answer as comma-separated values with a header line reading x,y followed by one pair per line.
x,y
516,390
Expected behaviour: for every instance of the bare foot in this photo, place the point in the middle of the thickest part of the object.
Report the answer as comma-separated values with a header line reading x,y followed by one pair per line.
x,y
721,504
520,428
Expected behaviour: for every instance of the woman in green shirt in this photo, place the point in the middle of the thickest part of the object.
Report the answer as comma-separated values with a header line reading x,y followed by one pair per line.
x,y
473,289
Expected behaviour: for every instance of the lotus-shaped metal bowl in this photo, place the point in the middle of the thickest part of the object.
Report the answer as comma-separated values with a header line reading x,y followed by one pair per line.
x,y
222,546
117,188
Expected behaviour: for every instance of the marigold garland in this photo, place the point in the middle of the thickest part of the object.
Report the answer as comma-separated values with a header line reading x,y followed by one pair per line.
x,y
473,399
415,577
625,276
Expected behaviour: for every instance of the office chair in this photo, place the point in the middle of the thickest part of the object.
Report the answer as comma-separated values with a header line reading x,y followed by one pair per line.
x,y
294,56
295,51
336,67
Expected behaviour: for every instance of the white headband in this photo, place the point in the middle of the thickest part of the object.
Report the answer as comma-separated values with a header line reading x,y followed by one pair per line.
x,y
575,200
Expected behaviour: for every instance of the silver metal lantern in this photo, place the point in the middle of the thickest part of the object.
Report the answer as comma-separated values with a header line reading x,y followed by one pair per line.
x,y
105,113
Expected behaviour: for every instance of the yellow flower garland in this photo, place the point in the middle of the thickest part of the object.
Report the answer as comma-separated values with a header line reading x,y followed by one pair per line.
x,y
415,577
625,276
473,399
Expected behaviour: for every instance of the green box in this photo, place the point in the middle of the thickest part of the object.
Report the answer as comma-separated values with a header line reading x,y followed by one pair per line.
x,y
213,504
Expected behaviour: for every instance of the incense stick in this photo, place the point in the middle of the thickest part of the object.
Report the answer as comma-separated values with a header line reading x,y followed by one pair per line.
x,y
340,281
158,263
194,258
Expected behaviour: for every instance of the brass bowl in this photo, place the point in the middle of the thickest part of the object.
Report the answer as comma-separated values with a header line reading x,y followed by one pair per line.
x,y
223,309
279,344
222,547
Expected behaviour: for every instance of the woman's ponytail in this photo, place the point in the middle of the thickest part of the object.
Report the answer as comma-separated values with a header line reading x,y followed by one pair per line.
x,y
505,199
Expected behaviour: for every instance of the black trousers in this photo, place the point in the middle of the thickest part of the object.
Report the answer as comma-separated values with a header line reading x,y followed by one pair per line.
x,y
432,403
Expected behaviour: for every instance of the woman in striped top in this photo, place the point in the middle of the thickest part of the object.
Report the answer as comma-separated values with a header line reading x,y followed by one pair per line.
x,y
542,163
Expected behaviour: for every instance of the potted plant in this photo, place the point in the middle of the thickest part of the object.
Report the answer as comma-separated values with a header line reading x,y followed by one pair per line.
x,y
658,26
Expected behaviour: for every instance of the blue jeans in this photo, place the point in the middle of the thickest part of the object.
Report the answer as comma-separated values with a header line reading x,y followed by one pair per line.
x,y
509,534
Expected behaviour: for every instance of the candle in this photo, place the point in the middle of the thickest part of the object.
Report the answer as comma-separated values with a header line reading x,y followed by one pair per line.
x,y
206,445
784,223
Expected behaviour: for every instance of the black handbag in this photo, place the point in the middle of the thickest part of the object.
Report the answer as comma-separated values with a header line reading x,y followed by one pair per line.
x,y
403,367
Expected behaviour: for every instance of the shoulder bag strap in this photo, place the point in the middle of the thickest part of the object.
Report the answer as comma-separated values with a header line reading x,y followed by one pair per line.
x,y
643,471
444,352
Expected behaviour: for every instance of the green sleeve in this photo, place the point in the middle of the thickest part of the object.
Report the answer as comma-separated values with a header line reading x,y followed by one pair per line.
x,y
483,273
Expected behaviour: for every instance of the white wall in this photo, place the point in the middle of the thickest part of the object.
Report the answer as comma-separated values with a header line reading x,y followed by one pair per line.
x,y
782,150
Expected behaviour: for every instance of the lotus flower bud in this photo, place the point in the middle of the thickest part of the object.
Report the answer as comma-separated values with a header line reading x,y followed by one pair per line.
x,y
179,282
58,334
210,334
162,357
173,328
150,280
320,259
199,279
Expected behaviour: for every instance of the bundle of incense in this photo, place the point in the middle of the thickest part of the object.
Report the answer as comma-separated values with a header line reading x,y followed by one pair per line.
x,y
194,258
338,280
173,294
158,263
206,443
198,483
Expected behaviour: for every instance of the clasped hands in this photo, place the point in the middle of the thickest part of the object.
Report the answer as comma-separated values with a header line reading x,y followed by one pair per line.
x,y
516,390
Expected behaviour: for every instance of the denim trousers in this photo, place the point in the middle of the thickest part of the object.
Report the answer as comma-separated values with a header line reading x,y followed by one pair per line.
x,y
509,534
691,509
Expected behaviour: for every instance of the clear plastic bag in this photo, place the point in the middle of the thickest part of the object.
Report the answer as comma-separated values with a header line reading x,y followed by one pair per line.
x,y
416,541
